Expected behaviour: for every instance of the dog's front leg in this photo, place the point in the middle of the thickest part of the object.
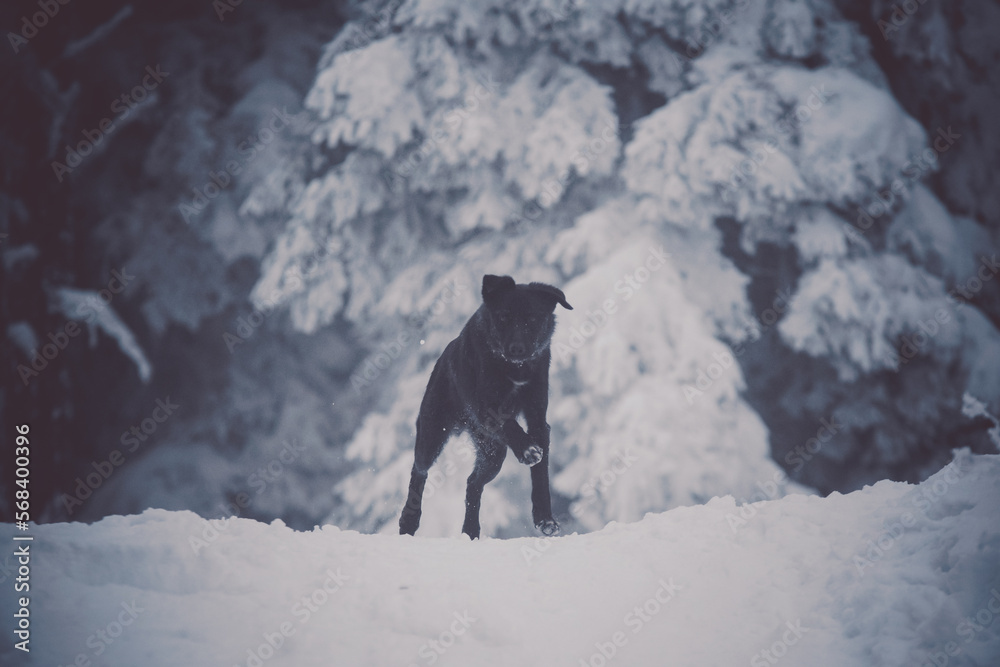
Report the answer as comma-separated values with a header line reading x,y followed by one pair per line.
x,y
541,498
538,432
524,448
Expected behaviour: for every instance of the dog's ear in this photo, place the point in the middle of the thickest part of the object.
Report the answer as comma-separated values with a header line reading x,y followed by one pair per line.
x,y
493,285
554,292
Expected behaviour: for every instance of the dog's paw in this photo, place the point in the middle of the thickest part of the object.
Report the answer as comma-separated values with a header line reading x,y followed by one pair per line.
x,y
408,523
548,526
532,455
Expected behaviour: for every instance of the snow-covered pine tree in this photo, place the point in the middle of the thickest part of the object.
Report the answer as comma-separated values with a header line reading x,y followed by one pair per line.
x,y
509,138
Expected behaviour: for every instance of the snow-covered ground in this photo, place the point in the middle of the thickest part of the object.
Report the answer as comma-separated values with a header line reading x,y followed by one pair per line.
x,y
893,574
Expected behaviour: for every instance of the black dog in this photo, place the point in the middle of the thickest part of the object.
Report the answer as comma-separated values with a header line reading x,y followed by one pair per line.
x,y
496,369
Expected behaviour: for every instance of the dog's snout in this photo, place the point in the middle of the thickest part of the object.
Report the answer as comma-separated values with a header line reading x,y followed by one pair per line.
x,y
516,349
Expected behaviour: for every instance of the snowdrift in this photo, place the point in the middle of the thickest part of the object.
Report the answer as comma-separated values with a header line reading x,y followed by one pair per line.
x,y
893,574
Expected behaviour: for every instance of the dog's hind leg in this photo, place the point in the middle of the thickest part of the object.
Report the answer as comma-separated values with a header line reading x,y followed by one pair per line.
x,y
489,460
431,436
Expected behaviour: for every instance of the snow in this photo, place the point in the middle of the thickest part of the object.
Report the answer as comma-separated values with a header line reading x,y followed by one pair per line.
x,y
893,574
75,303
23,337
853,311
379,71
973,407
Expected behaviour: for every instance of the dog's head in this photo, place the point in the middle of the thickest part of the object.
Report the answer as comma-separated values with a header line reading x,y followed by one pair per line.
x,y
520,319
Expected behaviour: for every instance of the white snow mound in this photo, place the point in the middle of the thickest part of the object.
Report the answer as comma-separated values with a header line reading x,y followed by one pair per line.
x,y
893,574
